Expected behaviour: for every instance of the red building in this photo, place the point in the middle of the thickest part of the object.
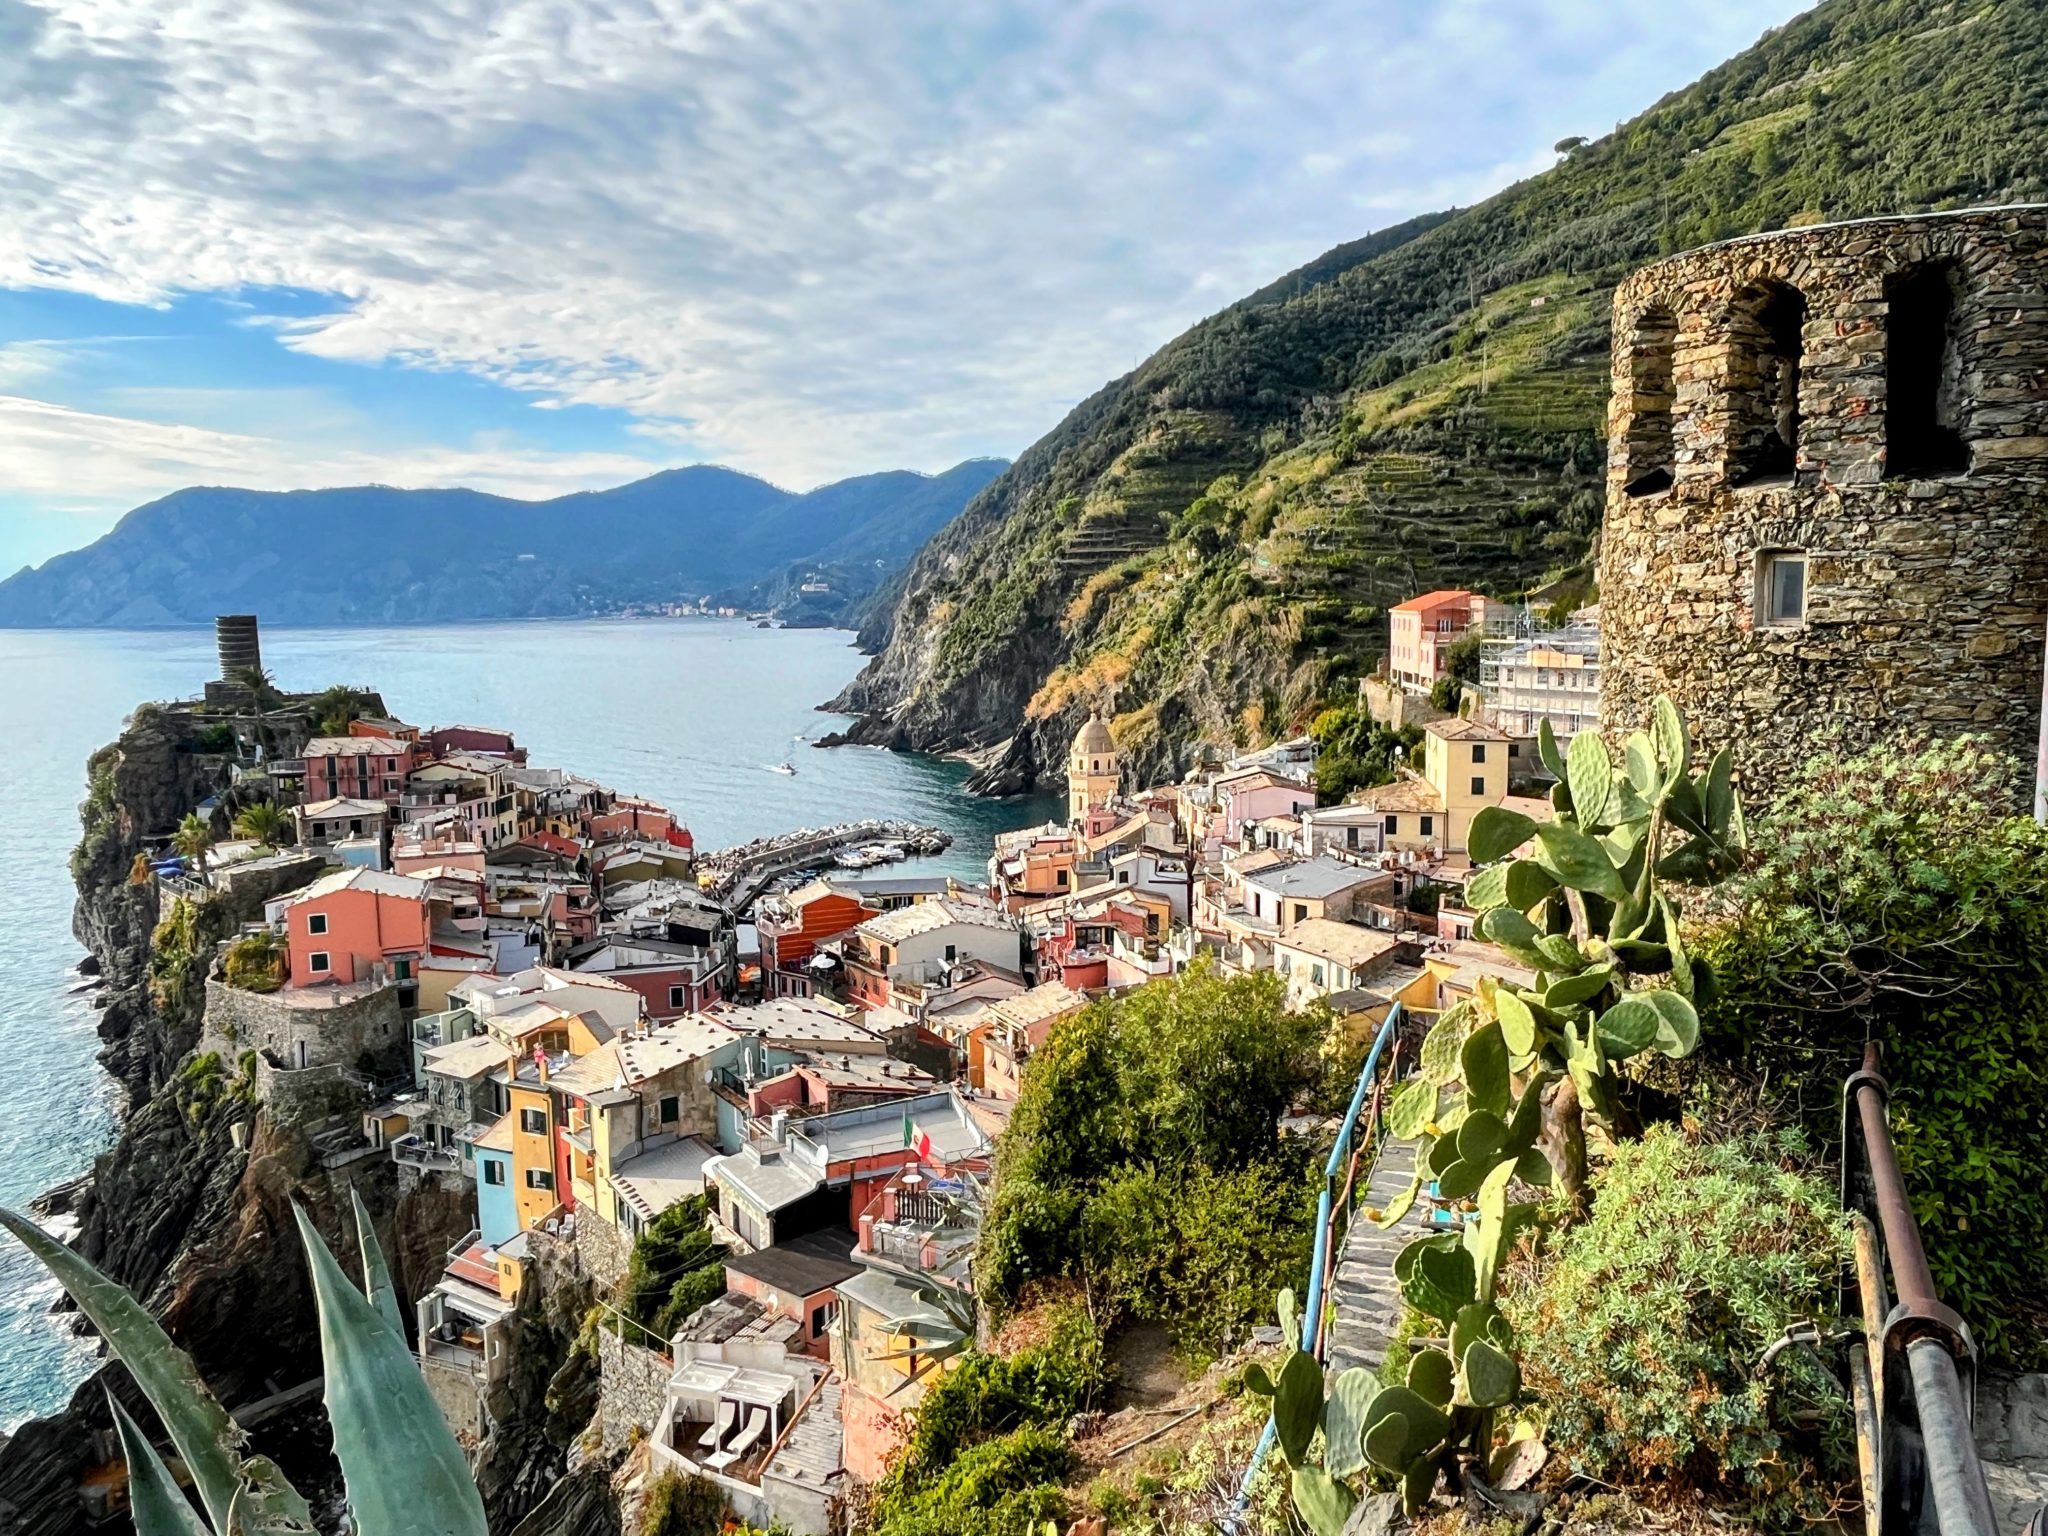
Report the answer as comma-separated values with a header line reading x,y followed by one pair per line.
x,y
483,740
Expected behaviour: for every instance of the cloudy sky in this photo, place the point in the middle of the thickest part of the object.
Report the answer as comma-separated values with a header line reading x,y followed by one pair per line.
x,y
539,245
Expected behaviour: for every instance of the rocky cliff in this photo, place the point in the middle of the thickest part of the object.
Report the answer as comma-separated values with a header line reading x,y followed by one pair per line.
x,y
192,1208
1205,549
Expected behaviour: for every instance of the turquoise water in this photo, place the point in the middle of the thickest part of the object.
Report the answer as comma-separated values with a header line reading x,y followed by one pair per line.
x,y
694,712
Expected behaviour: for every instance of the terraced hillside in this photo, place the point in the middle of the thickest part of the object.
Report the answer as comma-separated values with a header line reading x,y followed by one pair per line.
x,y
1207,546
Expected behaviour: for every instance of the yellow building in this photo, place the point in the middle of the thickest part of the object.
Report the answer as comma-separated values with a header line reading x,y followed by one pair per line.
x,y
533,1148
1464,770
1093,775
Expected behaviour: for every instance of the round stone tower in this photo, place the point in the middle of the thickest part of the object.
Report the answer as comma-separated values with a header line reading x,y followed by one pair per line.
x,y
238,645
1827,487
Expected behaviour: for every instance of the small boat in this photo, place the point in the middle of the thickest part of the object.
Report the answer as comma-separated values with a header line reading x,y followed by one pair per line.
x,y
789,768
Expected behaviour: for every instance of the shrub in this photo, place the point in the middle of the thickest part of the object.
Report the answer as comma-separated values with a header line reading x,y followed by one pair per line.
x,y
1008,1486
1640,1328
1895,901
674,1269
680,1506
255,963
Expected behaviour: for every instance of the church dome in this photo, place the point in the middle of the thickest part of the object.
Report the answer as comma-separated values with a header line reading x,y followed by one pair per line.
x,y
1094,740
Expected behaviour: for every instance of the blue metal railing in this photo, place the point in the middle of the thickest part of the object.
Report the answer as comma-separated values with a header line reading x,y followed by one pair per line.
x,y
1334,1170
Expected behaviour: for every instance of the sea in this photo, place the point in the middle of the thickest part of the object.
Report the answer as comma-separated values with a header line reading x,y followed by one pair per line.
x,y
694,712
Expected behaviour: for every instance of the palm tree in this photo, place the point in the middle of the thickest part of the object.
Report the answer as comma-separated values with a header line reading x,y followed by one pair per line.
x,y
193,841
261,688
263,821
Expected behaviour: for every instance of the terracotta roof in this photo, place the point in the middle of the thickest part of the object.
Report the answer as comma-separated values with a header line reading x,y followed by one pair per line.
x,y
1455,728
1345,943
1430,600
1410,792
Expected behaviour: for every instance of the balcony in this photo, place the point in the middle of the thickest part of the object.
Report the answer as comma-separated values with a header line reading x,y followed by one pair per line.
x,y
415,1153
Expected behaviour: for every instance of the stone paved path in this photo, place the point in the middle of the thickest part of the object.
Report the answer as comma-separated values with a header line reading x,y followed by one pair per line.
x,y
1367,1297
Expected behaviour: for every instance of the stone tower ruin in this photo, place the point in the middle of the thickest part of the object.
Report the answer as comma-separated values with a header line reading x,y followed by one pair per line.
x,y
1827,487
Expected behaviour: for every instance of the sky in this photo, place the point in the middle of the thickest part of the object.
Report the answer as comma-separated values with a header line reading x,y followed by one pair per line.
x,y
536,246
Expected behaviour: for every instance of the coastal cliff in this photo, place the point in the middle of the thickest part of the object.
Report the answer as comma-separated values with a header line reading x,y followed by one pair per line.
x,y
192,1208
1205,549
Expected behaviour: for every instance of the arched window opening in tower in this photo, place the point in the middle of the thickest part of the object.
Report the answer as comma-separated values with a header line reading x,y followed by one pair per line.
x,y
1650,445
1767,325
1924,400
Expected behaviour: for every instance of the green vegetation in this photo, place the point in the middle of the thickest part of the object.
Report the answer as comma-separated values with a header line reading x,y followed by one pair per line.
x,y
403,1472
263,821
1144,1158
192,842
1641,1328
1355,751
675,1268
334,708
679,1506
1507,1084
1424,407
1894,901
255,963
988,1453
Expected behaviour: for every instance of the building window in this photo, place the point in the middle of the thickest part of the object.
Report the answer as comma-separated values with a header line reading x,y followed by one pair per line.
x,y
1514,750
1650,460
1478,783
533,1121
952,953
822,1317
1393,825
1766,334
539,1178
1478,753
1923,396
1351,837
1300,913
1060,878
671,1109
494,1172
1315,974
1428,825
317,961
679,997
316,922
1780,589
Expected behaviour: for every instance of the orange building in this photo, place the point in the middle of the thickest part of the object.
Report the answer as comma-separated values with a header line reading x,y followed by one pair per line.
x,y
344,925
1422,629
793,926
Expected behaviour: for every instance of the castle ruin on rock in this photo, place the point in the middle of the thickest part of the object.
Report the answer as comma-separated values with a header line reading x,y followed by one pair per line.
x,y
1827,498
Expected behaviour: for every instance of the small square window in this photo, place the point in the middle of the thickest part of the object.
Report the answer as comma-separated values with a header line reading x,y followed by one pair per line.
x,y
534,1122
316,922
671,1109
678,997
1428,825
1393,824
1478,753
539,1178
1478,783
318,961
494,1172
1780,589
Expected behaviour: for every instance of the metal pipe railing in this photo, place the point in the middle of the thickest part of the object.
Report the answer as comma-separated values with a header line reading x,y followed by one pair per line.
x,y
1322,1256
1916,1400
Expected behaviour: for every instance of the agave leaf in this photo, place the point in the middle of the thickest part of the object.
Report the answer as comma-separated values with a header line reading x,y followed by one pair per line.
x,y
376,1273
267,1505
154,1499
383,1417
208,1441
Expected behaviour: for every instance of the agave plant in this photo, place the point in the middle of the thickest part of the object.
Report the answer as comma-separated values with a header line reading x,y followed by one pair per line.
x,y
404,1473
941,1335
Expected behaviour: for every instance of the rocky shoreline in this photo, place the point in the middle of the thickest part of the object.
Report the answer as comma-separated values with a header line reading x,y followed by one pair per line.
x,y
192,1208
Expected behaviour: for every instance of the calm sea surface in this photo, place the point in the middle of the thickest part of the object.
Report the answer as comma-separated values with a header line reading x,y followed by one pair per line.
x,y
694,712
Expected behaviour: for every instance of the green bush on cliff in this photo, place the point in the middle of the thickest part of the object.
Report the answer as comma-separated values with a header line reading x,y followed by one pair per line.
x,y
1640,1328
1895,901
1144,1156
255,963
1355,751
683,1506
675,1268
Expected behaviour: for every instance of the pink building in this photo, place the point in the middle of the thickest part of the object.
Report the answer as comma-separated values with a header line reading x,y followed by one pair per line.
x,y
1252,794
1423,628
632,820
358,768
343,926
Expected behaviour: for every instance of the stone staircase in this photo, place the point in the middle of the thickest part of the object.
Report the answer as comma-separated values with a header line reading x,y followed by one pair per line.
x,y
1367,1297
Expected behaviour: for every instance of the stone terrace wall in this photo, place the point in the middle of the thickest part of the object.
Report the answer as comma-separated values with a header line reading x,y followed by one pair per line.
x,y
1925,592
340,1034
634,1382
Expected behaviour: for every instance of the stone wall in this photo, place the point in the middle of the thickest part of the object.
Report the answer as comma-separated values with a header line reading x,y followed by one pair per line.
x,y
1925,590
338,1034
602,1250
634,1381
246,887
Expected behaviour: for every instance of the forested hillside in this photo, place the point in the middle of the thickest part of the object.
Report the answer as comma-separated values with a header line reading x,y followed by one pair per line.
x,y
1207,546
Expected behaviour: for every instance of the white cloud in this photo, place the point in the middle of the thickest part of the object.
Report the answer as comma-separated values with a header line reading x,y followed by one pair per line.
x,y
805,237
132,459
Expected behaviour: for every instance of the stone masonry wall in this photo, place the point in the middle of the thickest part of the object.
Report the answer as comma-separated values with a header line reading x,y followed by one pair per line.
x,y
339,1034
1925,593
634,1382
602,1249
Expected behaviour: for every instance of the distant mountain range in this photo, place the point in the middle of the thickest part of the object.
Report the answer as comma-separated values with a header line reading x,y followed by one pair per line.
x,y
375,554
